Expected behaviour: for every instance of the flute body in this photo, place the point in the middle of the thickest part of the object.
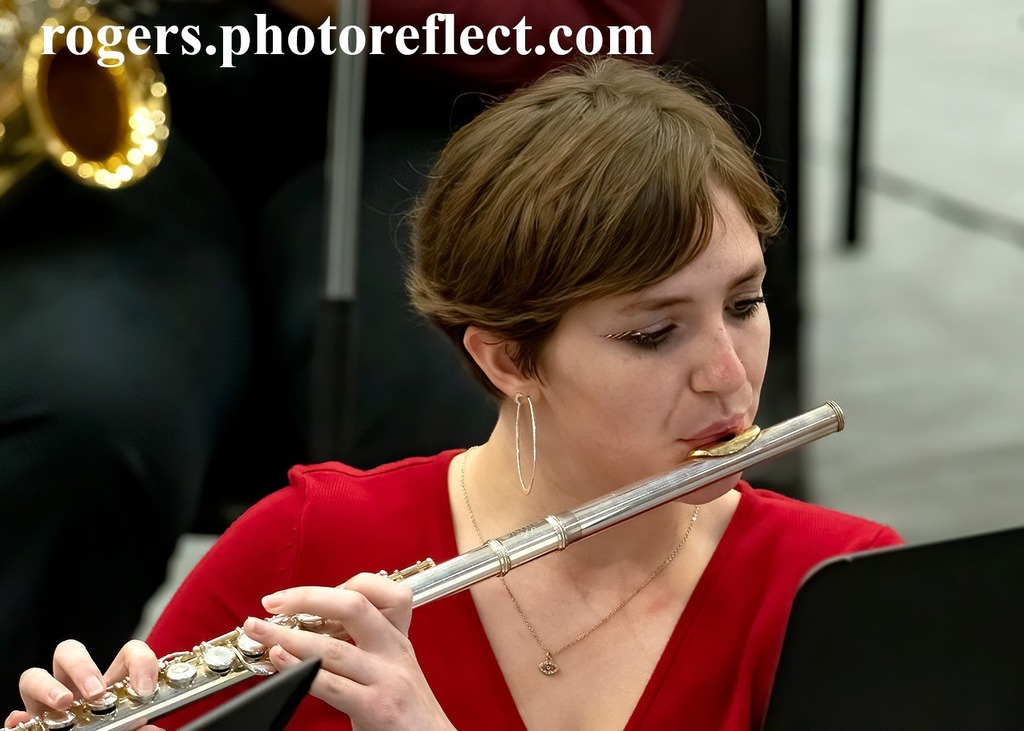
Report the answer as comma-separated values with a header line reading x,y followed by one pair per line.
x,y
188,676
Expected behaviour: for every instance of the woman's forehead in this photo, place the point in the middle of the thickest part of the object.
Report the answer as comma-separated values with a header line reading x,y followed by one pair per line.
x,y
728,263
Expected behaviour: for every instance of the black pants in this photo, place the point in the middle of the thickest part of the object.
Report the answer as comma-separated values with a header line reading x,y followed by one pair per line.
x,y
124,345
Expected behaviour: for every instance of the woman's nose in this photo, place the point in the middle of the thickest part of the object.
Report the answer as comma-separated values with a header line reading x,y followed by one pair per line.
x,y
719,368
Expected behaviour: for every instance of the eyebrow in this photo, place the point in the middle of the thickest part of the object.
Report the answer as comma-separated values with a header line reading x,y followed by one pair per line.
x,y
653,304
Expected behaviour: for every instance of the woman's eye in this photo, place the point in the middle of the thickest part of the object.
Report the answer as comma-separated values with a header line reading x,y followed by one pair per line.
x,y
745,309
650,339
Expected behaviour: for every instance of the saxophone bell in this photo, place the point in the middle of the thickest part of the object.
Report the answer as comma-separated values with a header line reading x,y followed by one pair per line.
x,y
98,112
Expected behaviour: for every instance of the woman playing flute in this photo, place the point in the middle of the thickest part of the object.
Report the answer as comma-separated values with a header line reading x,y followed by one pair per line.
x,y
593,245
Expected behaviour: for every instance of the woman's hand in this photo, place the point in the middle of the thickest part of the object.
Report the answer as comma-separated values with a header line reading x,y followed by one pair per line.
x,y
375,678
75,675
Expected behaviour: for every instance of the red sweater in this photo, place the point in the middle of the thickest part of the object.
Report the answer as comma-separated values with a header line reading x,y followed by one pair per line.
x,y
334,521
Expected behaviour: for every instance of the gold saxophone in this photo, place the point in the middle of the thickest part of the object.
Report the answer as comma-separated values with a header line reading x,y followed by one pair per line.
x,y
103,121
223,661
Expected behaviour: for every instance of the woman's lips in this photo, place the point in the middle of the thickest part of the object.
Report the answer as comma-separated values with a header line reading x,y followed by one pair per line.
x,y
716,432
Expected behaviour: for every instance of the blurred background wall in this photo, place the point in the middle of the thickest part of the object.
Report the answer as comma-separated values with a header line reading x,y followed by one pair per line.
x,y
918,330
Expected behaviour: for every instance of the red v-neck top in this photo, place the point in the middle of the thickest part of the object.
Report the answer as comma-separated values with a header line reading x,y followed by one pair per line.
x,y
334,521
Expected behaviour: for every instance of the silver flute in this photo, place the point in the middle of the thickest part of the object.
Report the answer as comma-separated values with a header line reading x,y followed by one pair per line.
x,y
215,664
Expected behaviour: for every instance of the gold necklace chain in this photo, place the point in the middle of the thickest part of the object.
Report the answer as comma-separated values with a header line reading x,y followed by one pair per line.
x,y
548,665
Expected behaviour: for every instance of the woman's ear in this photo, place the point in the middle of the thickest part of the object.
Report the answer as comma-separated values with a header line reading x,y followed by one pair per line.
x,y
492,355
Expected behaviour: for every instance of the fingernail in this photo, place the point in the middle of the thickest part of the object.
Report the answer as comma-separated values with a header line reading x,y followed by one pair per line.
x,y
93,686
144,685
59,696
272,600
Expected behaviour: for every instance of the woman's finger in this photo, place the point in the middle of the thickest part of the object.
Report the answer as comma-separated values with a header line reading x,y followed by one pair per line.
x,y
379,673
41,692
366,625
390,597
17,717
335,655
74,668
363,605
337,690
137,662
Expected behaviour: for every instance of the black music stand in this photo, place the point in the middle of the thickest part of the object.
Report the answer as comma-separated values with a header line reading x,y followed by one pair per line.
x,y
929,636
267,706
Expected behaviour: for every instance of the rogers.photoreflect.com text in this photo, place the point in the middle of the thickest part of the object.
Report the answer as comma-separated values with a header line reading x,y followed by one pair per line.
x,y
440,35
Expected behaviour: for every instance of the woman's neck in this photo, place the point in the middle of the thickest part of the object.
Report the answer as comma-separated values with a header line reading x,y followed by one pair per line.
x,y
487,478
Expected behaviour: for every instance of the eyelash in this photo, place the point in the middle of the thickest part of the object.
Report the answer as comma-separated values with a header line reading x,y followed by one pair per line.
x,y
743,310
746,309
650,340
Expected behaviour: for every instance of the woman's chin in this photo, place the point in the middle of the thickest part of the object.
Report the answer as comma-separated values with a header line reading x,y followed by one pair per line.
x,y
711,492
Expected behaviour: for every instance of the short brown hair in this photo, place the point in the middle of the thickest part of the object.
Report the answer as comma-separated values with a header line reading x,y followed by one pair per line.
x,y
595,180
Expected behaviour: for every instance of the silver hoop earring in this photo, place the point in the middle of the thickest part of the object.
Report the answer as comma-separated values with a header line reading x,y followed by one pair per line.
x,y
527,489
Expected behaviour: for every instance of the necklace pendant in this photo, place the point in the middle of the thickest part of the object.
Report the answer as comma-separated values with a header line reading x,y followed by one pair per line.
x,y
548,666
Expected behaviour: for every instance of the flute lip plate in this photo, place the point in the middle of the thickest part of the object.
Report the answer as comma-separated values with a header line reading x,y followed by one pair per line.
x,y
730,446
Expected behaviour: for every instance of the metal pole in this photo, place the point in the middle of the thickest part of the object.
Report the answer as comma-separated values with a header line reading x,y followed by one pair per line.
x,y
855,153
333,373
